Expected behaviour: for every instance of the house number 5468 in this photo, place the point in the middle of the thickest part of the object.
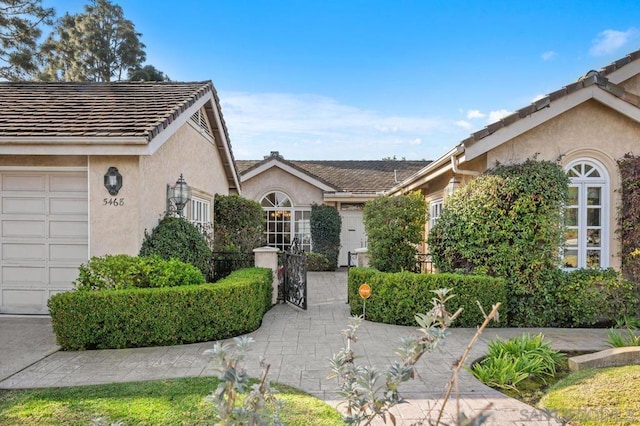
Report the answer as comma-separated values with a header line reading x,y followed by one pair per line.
x,y
116,202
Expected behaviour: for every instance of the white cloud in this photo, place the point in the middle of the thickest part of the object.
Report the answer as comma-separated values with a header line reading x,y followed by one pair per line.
x,y
497,115
464,124
313,127
548,55
537,97
608,41
474,113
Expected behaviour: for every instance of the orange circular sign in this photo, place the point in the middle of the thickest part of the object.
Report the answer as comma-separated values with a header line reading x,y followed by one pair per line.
x,y
365,291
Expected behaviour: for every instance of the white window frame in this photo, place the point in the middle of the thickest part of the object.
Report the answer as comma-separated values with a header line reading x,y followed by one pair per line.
x,y
435,211
285,221
200,212
583,182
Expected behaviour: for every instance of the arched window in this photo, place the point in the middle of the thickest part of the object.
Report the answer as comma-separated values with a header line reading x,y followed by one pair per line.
x,y
285,221
587,216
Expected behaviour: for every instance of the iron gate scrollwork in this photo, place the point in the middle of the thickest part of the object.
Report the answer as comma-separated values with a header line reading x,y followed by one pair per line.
x,y
295,276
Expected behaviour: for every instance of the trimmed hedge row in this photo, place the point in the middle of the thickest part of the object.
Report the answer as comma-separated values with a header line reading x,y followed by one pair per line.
x,y
121,271
397,297
162,316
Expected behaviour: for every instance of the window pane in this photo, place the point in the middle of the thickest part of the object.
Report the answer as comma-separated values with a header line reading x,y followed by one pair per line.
x,y
593,237
571,258
593,258
571,217
571,237
593,216
593,196
573,196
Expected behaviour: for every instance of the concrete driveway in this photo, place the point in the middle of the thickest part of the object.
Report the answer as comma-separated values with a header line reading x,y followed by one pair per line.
x,y
24,340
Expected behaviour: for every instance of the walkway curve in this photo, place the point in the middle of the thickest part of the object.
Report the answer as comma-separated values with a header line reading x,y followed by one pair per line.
x,y
298,345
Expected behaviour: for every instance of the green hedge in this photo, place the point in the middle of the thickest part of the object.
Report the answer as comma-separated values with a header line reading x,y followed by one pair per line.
x,y
162,316
588,297
397,297
121,271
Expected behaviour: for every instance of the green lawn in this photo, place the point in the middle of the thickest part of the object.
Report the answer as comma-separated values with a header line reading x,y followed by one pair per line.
x,y
609,396
159,402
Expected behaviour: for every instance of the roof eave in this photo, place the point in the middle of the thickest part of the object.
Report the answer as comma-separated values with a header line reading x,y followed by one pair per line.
x,y
476,148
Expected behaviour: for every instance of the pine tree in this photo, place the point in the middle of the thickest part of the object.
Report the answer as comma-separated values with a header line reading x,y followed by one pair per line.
x,y
97,45
20,22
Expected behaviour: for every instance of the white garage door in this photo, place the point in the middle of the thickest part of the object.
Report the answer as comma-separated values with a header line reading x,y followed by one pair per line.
x,y
44,229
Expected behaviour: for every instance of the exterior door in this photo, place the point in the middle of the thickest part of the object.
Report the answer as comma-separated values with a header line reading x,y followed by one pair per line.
x,y
352,235
44,230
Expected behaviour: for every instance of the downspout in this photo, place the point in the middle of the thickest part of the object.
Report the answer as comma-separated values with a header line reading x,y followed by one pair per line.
x,y
457,171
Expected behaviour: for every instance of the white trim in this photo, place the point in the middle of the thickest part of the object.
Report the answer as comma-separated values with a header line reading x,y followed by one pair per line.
x,y
424,175
505,134
74,140
285,167
44,169
184,117
604,183
437,204
626,72
226,144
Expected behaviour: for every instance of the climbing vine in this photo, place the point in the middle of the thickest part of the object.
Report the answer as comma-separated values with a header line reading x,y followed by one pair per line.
x,y
629,216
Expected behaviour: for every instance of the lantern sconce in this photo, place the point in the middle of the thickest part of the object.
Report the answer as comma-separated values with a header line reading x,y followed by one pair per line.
x,y
113,181
451,187
178,196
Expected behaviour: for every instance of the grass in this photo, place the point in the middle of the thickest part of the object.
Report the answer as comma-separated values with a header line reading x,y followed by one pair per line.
x,y
606,396
158,402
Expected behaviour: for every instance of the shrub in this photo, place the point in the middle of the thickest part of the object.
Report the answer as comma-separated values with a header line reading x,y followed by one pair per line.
x,y
507,223
325,224
629,216
162,316
122,271
585,297
396,297
318,262
238,224
510,362
394,227
176,237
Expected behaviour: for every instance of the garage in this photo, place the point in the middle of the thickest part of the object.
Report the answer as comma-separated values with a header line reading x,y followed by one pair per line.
x,y
44,228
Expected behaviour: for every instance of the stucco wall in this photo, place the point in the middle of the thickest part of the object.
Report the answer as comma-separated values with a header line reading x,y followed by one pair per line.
x,y
187,152
114,225
590,130
120,229
276,179
632,85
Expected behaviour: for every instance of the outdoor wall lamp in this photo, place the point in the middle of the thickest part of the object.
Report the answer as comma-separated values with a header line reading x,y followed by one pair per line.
x,y
451,187
113,181
178,196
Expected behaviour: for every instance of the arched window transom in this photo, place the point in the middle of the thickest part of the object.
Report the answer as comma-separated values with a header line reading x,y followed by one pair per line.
x,y
285,222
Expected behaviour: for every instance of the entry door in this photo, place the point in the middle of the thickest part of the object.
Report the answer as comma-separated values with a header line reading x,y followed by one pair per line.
x,y
44,229
352,235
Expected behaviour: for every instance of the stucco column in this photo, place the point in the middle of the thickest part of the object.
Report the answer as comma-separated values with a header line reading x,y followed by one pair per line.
x,y
363,257
267,257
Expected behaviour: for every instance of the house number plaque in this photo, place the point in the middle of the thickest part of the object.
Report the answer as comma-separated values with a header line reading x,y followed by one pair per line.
x,y
115,202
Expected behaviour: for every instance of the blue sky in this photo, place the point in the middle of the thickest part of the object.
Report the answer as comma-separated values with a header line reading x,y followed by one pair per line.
x,y
356,79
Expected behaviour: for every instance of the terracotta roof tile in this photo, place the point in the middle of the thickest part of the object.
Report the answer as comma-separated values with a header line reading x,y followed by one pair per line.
x,y
357,177
122,109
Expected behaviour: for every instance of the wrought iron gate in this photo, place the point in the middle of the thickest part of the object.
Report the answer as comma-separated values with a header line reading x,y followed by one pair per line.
x,y
295,276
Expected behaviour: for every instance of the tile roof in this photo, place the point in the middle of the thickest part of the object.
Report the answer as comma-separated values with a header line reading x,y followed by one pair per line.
x,y
358,177
120,109
592,77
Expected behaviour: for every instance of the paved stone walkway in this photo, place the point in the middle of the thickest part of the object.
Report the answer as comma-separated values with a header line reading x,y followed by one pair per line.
x,y
298,344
